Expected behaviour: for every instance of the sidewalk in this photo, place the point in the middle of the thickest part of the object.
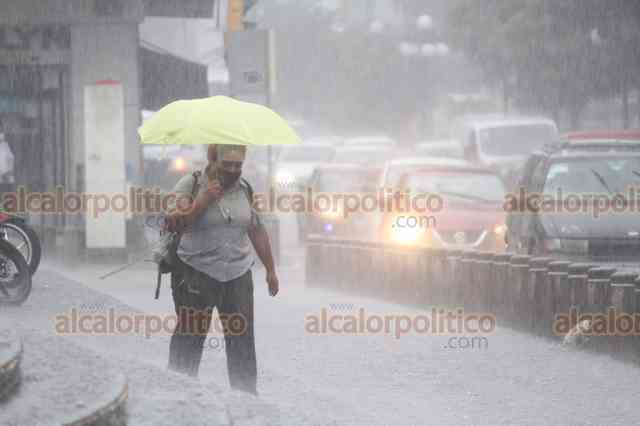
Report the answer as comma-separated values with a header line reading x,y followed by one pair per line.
x,y
156,396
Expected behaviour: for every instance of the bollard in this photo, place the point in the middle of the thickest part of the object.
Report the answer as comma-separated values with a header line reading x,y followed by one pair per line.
x,y
437,283
598,289
330,266
537,293
597,286
355,281
483,279
620,309
389,270
423,280
450,265
499,284
426,293
578,287
518,280
408,269
463,279
636,339
558,300
312,258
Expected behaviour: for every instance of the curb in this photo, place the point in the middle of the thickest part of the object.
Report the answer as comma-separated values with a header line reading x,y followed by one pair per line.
x,y
10,374
109,412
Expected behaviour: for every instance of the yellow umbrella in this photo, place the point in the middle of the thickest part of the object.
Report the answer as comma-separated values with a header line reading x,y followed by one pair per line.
x,y
216,120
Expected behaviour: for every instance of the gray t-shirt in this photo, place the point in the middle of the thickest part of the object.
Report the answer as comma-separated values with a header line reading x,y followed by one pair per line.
x,y
218,242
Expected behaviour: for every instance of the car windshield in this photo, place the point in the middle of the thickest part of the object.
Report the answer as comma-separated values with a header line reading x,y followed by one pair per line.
x,y
515,139
440,150
307,154
590,175
364,157
346,181
465,185
378,141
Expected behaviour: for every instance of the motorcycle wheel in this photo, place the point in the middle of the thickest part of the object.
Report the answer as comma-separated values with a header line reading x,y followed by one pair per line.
x,y
25,239
15,277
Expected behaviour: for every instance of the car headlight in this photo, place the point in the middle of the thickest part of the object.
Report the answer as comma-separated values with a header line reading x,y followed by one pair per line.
x,y
333,214
285,178
407,235
179,164
499,229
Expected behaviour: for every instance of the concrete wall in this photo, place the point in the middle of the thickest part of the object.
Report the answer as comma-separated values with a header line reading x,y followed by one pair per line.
x,y
105,51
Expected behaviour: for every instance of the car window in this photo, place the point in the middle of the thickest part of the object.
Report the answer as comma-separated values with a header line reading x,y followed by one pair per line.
x,y
307,154
593,175
458,185
344,181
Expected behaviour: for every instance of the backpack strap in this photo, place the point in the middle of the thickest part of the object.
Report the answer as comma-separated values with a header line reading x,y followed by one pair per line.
x,y
196,184
248,190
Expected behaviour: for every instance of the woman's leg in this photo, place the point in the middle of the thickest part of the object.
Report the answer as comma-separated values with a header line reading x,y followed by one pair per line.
x,y
237,307
194,310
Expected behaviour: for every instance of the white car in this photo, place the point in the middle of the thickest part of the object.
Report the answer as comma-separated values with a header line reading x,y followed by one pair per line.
x,y
394,169
449,148
363,155
383,141
296,163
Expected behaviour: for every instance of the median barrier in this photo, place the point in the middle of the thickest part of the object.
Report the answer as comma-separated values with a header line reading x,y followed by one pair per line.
x,y
524,292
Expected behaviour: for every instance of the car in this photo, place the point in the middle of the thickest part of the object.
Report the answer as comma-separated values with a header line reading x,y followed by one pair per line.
x,y
296,163
439,148
394,168
370,141
465,211
602,140
583,171
365,155
504,143
341,179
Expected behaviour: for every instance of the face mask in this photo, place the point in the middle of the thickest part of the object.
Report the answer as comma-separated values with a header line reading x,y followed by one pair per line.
x,y
229,178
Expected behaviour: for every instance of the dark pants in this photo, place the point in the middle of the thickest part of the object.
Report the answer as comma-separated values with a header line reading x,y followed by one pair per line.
x,y
195,294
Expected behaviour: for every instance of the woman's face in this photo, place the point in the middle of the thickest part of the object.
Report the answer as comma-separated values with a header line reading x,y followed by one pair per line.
x,y
212,153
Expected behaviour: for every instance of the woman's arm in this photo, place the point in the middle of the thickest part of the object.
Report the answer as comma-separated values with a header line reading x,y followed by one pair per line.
x,y
260,241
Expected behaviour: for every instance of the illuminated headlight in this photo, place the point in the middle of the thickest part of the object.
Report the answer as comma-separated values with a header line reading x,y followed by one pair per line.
x,y
180,164
407,235
333,213
285,178
500,229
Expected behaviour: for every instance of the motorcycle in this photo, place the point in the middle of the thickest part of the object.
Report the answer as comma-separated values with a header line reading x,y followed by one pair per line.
x,y
15,230
15,276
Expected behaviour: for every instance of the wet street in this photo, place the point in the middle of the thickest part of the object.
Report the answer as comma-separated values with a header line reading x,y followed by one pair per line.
x,y
373,379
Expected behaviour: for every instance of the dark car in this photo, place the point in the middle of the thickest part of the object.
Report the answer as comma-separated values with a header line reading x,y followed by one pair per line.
x,y
585,210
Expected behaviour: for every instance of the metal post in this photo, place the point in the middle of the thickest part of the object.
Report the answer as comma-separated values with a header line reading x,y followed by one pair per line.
x,y
622,304
538,289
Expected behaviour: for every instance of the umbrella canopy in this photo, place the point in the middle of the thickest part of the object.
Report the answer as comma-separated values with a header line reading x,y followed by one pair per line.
x,y
216,120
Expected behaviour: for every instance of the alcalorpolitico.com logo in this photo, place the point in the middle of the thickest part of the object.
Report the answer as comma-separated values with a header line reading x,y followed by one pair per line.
x,y
438,321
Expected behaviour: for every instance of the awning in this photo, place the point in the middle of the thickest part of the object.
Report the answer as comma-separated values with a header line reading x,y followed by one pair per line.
x,y
175,62
166,78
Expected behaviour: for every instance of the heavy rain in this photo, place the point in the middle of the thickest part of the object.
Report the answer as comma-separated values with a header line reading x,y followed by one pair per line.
x,y
319,212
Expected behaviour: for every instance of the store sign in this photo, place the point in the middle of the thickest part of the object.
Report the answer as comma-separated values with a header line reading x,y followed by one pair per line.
x,y
28,44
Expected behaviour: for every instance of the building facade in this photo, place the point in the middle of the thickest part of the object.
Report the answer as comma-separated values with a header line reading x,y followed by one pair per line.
x,y
50,52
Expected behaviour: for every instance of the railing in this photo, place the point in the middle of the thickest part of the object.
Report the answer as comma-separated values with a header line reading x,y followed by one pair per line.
x,y
523,292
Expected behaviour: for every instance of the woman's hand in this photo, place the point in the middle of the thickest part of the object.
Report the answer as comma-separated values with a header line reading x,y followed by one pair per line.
x,y
274,284
212,193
